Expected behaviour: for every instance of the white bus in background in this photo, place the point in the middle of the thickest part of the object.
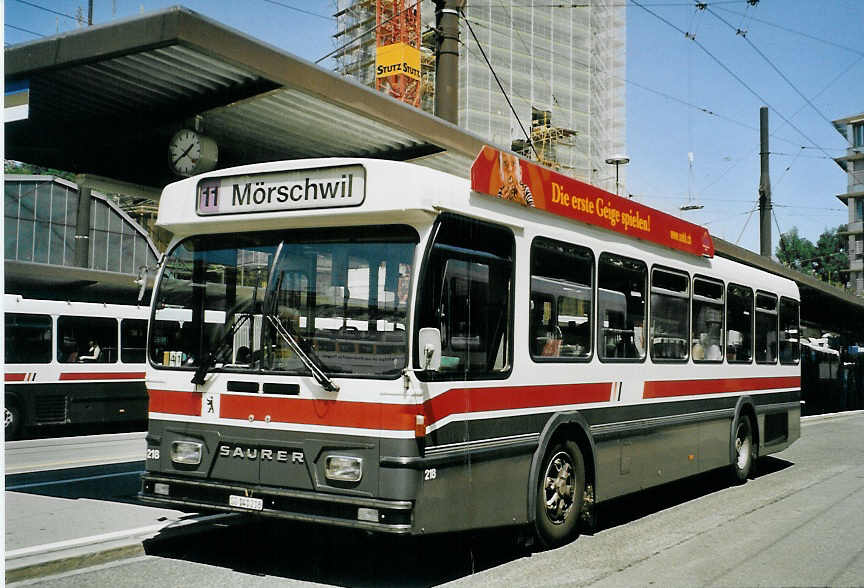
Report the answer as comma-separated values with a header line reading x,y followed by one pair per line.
x,y
72,363
432,355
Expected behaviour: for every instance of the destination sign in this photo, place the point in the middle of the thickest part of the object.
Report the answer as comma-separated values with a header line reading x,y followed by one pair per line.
x,y
333,187
509,177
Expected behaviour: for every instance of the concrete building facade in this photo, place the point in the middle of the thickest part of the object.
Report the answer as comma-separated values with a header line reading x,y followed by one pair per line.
x,y
852,129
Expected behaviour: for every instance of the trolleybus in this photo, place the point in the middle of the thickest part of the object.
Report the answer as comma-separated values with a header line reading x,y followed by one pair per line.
x,y
383,346
72,363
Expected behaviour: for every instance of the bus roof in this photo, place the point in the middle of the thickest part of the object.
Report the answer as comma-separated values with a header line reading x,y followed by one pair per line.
x,y
345,191
307,193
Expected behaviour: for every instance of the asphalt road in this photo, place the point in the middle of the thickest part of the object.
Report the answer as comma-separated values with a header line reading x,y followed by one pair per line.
x,y
799,522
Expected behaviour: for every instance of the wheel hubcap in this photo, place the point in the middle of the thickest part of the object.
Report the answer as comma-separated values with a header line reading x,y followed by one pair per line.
x,y
8,418
559,488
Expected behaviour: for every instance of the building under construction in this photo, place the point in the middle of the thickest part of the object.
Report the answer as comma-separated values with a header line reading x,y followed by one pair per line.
x,y
561,66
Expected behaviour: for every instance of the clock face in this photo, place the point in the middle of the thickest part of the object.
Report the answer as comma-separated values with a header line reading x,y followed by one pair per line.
x,y
185,152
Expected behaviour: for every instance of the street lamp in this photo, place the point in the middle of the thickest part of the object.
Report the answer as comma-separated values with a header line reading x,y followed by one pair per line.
x,y
617,160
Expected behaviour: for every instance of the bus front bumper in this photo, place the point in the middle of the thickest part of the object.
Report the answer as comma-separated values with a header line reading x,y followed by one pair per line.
x,y
386,516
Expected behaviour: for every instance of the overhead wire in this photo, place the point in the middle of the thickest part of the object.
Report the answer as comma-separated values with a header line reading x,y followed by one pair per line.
x,y
744,228
703,109
492,26
46,9
724,67
23,30
500,85
770,64
793,31
788,167
289,7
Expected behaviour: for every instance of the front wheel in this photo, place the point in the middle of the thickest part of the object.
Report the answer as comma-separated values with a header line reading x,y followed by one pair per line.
x,y
560,493
745,450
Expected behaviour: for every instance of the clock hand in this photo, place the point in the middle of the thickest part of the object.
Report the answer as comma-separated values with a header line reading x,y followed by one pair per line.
x,y
182,155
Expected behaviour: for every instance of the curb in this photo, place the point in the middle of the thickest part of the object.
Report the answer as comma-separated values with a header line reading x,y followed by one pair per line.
x,y
75,562
830,415
64,556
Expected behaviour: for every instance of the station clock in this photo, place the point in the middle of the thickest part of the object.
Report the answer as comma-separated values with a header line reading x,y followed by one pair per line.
x,y
191,153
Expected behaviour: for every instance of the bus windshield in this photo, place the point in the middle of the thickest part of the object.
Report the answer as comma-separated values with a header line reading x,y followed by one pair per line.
x,y
227,301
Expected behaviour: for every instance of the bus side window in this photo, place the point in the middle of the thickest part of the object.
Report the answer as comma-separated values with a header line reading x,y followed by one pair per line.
x,y
86,339
707,320
133,340
621,286
670,315
561,300
766,328
739,324
466,294
27,338
789,331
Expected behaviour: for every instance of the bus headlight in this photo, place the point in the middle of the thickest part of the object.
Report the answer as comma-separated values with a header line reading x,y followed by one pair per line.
x,y
186,452
343,468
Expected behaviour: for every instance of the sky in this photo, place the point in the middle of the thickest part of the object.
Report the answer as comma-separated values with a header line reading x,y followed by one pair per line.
x,y
803,59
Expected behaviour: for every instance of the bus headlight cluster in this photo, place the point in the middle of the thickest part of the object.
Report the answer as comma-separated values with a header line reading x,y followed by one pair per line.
x,y
186,452
343,468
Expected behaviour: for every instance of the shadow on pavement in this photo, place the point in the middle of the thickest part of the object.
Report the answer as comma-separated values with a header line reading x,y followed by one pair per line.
x,y
346,557
342,557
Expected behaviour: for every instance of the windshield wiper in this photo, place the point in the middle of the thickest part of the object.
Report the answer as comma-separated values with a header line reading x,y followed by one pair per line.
x,y
311,364
210,361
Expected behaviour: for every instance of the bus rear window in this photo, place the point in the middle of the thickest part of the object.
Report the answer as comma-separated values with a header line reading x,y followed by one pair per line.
x,y
789,331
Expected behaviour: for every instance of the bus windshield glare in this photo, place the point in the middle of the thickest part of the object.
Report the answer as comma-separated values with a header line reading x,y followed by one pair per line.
x,y
247,301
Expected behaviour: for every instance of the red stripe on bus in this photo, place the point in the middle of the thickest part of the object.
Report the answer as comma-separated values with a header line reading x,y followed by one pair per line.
x,y
173,402
665,389
15,377
401,417
102,376
467,400
332,413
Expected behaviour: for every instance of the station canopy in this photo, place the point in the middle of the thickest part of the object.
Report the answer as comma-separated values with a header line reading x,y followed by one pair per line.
x,y
106,100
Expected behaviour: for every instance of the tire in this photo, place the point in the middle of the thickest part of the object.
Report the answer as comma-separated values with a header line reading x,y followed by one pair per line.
x,y
744,450
11,420
560,494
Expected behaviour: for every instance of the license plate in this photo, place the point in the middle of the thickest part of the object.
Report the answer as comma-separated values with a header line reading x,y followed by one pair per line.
x,y
246,502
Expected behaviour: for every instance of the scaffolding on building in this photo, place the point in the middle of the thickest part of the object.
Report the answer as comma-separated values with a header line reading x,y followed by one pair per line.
x,y
545,138
566,63
365,25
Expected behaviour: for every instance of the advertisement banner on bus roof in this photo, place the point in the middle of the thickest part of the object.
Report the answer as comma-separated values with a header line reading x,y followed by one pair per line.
x,y
509,177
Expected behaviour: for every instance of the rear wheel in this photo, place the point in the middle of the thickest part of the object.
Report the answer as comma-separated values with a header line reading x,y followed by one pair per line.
x,y
11,420
560,494
745,449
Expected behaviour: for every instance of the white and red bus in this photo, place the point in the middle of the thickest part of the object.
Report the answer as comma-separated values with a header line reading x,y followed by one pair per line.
x,y
72,363
384,346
